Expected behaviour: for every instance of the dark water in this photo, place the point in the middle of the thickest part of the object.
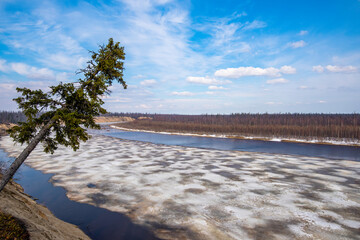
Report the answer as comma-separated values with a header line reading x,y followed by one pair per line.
x,y
304,149
97,223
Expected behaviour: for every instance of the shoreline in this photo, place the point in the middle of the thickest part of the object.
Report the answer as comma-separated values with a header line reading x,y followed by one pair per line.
x,y
40,222
266,139
65,217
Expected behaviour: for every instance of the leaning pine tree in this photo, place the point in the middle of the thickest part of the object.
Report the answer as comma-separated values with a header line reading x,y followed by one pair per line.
x,y
61,116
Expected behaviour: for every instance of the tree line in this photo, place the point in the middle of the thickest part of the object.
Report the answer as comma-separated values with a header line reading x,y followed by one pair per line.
x,y
12,117
290,125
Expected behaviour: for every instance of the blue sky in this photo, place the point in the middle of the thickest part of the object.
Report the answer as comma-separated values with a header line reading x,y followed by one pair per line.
x,y
192,57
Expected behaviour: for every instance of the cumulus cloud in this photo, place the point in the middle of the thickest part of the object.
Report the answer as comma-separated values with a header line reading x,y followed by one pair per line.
x,y
298,44
254,71
338,69
287,70
277,80
32,72
318,68
64,61
148,82
216,88
185,93
335,69
206,80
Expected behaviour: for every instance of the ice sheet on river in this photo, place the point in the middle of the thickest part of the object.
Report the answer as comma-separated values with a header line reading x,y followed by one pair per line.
x,y
183,192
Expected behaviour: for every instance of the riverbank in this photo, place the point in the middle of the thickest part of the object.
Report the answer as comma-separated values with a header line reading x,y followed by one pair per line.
x,y
277,139
38,220
102,119
4,127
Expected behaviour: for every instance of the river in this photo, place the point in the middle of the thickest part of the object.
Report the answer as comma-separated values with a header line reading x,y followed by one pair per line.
x,y
304,149
100,223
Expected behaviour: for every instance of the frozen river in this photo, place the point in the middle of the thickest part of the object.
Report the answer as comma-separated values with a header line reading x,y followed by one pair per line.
x,y
186,192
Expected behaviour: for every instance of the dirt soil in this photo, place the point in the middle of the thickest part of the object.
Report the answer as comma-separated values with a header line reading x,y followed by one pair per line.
x,y
39,221
4,127
113,119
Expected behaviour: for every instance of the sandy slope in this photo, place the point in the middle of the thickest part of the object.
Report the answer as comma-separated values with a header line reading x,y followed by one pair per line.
x,y
113,119
40,222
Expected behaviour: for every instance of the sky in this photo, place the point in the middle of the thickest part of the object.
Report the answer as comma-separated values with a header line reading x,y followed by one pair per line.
x,y
191,57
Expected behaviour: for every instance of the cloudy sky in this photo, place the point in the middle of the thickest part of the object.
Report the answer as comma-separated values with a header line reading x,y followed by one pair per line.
x,y
192,56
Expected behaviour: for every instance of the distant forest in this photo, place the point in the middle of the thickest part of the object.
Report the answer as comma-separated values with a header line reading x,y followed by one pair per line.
x,y
289,125
12,117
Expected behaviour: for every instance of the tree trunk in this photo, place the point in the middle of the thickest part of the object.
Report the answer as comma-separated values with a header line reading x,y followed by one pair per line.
x,y
25,153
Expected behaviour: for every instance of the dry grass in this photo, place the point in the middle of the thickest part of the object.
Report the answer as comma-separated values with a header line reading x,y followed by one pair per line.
x,y
12,228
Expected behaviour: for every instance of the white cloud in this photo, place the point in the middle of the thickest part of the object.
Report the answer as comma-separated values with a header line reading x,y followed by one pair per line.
x,y
206,80
298,44
66,77
53,46
273,103
185,93
159,43
318,68
216,88
148,82
303,32
343,69
157,37
32,72
117,100
209,93
335,69
277,80
139,76
303,87
64,61
254,25
3,66
225,37
254,71
7,87
287,70
144,106
322,101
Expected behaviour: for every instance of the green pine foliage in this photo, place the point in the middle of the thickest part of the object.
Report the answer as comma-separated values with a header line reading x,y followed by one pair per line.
x,y
70,108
